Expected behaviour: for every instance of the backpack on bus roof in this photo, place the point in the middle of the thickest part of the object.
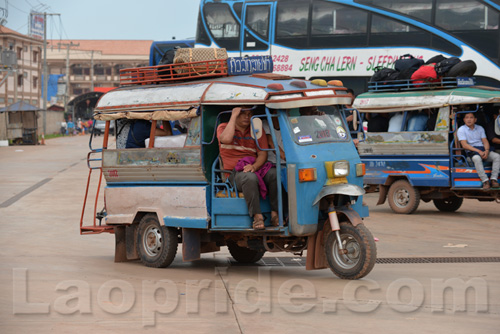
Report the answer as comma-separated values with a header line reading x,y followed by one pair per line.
x,y
406,62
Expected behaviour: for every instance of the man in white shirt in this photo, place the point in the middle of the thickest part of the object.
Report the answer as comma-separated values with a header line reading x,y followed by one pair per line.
x,y
473,138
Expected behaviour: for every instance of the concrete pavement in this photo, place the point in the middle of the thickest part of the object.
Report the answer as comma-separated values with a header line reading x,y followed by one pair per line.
x,y
52,280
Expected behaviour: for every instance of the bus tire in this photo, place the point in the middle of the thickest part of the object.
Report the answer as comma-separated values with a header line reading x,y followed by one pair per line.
x,y
403,197
244,254
450,204
156,244
361,251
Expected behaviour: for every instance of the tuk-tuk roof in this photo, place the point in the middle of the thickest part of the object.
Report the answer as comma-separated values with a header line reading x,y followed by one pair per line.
x,y
180,100
374,102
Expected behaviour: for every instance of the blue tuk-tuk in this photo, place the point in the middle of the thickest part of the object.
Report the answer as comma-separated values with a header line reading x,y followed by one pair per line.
x,y
408,163
175,191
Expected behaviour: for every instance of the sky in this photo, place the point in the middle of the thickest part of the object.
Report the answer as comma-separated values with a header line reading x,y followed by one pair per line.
x,y
158,20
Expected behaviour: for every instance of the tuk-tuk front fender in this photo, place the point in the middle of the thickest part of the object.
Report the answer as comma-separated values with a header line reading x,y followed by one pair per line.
x,y
342,189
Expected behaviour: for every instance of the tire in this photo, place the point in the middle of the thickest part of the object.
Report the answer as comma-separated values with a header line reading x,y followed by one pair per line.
x,y
361,256
466,68
156,244
403,197
244,254
450,204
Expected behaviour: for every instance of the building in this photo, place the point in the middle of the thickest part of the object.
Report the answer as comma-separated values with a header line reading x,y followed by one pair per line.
x,y
93,63
21,68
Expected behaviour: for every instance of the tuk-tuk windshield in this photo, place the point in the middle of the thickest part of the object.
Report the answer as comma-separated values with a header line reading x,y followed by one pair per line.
x,y
310,125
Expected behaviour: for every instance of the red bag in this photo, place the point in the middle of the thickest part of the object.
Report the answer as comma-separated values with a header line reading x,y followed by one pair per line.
x,y
425,73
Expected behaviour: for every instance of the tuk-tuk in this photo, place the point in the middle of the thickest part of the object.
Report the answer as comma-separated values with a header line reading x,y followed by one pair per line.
x,y
175,191
426,162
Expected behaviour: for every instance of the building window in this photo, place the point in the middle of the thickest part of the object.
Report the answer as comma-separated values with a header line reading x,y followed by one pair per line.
x,y
19,53
2,100
34,102
10,100
35,56
35,82
20,78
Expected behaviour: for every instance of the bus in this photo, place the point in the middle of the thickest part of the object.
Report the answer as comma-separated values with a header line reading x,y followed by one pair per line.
x,y
349,39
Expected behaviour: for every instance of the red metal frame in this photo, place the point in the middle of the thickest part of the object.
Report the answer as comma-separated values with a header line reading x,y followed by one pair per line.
x,y
94,228
173,72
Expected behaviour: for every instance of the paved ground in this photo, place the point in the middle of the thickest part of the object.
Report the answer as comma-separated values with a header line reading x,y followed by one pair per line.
x,y
52,280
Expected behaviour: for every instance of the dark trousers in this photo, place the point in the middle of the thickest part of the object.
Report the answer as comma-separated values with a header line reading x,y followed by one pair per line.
x,y
248,184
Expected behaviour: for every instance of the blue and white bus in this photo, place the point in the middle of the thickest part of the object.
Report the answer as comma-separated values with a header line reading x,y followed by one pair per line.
x,y
347,39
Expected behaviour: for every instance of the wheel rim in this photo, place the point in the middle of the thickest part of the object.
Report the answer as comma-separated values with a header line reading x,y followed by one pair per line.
x,y
401,198
152,241
353,255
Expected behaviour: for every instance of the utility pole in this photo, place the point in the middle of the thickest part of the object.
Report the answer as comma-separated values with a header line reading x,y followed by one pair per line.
x,y
45,72
66,90
92,71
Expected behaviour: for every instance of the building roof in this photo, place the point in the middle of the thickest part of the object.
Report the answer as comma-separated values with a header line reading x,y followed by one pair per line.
x,y
19,106
109,47
5,30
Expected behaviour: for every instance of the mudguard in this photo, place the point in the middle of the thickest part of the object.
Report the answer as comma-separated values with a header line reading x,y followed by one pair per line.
x,y
343,189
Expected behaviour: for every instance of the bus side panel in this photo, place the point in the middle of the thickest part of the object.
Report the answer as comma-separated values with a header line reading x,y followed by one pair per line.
x,y
177,206
429,171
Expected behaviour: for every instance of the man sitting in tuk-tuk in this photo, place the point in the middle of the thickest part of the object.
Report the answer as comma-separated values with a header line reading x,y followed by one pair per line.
x,y
251,172
472,137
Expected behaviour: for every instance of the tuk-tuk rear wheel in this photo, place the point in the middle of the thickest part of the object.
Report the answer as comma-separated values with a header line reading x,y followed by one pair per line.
x,y
156,244
450,204
244,254
360,255
403,197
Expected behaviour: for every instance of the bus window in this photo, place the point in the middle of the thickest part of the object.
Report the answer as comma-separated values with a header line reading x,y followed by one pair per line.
x,y
256,27
334,24
223,26
257,20
419,9
465,15
473,22
335,19
291,23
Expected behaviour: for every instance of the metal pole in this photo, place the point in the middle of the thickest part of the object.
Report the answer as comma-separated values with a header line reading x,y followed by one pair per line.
x,y
45,76
92,72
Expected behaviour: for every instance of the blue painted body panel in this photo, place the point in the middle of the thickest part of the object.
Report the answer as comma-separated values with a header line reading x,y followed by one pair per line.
x,y
420,170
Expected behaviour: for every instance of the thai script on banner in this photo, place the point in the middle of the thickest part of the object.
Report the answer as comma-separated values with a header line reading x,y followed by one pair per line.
x,y
249,65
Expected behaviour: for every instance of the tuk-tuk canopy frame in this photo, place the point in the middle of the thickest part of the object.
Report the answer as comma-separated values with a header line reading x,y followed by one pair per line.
x,y
171,102
403,101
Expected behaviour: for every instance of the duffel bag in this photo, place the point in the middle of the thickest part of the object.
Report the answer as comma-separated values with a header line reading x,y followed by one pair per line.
x,y
444,66
189,55
407,61
384,74
425,73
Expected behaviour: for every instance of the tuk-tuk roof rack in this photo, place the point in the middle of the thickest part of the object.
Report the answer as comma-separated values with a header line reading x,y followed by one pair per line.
x,y
150,75
412,85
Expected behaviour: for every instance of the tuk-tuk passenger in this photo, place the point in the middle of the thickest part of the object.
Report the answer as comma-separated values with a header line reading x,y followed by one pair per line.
x,y
256,176
140,130
473,138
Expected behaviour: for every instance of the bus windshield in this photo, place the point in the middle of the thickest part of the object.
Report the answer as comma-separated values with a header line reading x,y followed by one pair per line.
x,y
312,126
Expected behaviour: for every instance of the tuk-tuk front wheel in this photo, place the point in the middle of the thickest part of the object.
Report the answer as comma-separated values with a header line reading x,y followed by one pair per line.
x,y
244,254
403,197
156,244
359,252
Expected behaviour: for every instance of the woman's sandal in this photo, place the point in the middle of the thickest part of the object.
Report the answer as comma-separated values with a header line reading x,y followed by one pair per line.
x,y
275,221
258,224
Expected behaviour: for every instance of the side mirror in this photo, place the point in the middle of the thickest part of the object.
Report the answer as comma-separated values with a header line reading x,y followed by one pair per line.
x,y
256,128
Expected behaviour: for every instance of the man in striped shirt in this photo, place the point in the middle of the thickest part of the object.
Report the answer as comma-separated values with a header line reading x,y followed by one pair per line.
x,y
236,143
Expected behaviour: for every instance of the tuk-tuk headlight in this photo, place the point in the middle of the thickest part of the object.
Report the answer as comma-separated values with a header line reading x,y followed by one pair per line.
x,y
340,168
